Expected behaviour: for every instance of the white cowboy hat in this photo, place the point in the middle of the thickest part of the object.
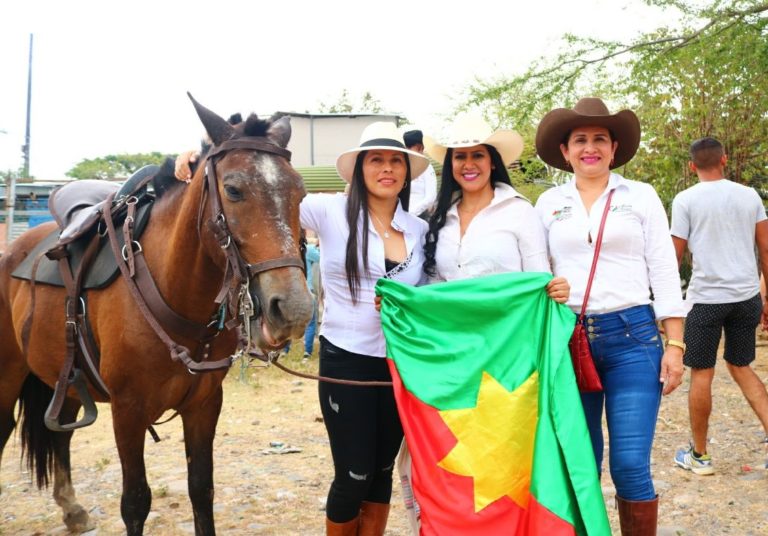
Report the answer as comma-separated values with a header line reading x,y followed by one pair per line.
x,y
470,129
383,136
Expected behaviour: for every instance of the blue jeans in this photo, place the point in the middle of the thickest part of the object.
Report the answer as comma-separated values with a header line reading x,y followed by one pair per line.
x,y
309,333
627,350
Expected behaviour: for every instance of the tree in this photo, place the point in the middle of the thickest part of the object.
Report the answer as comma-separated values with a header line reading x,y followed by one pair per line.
x,y
119,166
18,174
344,105
710,84
706,76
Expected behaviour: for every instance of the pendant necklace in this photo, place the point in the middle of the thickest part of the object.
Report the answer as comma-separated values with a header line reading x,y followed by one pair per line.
x,y
386,230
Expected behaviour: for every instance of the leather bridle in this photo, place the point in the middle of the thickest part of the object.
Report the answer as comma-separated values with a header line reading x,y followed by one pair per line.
x,y
234,299
238,274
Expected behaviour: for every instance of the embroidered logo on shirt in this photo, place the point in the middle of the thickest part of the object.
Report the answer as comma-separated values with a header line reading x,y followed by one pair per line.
x,y
621,208
563,214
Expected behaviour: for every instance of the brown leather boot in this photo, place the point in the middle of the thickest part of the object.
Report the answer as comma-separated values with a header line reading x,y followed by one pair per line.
x,y
638,518
373,518
341,529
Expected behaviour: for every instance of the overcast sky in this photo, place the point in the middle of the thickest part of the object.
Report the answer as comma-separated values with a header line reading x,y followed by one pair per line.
x,y
111,77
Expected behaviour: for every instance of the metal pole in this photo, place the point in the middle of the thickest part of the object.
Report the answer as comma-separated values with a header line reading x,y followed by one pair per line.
x,y
311,140
10,201
10,198
29,108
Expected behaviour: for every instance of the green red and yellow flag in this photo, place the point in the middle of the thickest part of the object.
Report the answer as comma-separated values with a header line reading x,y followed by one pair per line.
x,y
490,408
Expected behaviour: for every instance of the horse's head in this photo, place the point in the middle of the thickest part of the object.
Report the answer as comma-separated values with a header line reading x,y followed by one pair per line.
x,y
253,214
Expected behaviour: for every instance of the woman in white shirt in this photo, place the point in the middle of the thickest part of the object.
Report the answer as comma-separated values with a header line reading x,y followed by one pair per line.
x,y
366,235
635,283
481,225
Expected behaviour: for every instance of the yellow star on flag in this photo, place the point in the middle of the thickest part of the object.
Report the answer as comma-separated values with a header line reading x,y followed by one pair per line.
x,y
495,441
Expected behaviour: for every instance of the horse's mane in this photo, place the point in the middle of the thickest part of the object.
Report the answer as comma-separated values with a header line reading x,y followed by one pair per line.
x,y
165,179
254,126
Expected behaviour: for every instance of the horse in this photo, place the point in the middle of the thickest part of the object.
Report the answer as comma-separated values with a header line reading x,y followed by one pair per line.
x,y
258,195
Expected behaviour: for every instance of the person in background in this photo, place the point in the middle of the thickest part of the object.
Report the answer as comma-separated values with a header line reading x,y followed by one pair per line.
x,y
722,223
635,366
366,234
423,187
313,282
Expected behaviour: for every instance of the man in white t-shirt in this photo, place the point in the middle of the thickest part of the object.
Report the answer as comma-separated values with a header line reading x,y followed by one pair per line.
x,y
423,187
721,222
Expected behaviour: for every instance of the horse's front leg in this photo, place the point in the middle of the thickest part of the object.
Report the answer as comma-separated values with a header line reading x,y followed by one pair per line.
x,y
75,516
130,428
199,430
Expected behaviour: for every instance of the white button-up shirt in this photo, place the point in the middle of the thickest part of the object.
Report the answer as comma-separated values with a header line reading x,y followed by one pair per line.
x,y
637,255
356,327
423,191
505,236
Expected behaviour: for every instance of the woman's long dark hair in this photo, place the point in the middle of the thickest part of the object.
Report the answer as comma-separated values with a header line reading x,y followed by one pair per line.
x,y
357,204
445,198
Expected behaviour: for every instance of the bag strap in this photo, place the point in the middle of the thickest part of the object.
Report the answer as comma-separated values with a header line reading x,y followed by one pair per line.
x,y
598,243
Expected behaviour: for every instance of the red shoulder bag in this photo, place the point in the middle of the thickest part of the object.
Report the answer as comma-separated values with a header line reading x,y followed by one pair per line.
x,y
583,365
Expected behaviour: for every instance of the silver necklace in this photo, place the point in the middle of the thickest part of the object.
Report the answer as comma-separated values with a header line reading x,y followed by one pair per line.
x,y
386,230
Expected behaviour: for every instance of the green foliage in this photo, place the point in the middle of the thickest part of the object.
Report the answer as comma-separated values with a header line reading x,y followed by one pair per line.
x,y
8,174
345,105
119,166
704,76
710,87
530,176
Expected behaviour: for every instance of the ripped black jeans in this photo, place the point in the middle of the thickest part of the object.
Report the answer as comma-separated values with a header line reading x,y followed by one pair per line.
x,y
363,428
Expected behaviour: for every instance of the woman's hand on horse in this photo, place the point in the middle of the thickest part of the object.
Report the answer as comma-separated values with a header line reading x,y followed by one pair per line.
x,y
182,170
559,289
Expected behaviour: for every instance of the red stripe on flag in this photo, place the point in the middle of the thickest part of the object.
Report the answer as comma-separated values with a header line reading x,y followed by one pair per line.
x,y
446,499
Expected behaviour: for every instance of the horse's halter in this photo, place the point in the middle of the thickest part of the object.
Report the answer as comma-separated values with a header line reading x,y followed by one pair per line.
x,y
238,274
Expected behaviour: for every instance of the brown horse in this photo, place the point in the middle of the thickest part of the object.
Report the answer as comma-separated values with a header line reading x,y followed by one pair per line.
x,y
259,194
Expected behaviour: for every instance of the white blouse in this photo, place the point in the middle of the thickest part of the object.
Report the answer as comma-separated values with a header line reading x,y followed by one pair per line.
x,y
356,327
505,236
637,255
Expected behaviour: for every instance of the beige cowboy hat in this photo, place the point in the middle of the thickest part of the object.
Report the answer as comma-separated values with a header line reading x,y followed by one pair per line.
x,y
470,129
383,136
589,111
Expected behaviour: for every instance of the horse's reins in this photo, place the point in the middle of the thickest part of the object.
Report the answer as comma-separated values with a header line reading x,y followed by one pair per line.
x,y
271,359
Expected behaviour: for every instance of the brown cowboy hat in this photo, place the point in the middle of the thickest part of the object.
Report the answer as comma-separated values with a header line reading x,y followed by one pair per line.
x,y
589,111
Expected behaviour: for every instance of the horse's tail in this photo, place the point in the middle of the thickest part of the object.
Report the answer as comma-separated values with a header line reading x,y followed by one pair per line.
x,y
37,441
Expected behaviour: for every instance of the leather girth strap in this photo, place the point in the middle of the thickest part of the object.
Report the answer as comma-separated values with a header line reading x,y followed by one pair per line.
x,y
149,301
75,320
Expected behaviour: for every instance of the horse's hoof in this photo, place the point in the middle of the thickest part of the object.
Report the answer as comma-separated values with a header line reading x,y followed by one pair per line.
x,y
78,521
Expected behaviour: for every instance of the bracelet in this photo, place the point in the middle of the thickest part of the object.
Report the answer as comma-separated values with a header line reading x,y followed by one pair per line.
x,y
678,343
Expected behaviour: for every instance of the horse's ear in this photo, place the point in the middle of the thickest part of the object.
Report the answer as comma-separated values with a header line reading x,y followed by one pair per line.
x,y
280,131
216,127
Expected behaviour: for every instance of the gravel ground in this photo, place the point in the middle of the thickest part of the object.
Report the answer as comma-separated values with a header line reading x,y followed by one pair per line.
x,y
273,468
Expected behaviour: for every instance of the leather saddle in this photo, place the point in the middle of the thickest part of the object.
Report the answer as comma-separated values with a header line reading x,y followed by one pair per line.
x,y
77,208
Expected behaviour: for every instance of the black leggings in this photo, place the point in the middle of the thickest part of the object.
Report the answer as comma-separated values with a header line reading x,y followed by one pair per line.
x,y
363,428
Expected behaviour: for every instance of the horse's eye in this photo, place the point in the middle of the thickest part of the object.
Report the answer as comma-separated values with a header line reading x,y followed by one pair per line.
x,y
233,194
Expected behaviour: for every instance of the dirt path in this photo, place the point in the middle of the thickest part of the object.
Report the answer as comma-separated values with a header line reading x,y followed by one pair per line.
x,y
260,490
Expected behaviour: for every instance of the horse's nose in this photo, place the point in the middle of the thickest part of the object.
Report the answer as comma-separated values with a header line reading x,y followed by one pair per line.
x,y
289,313
275,310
